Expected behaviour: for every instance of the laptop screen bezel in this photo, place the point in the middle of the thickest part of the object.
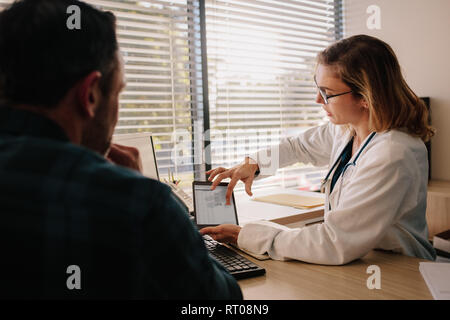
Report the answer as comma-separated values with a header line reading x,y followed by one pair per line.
x,y
208,183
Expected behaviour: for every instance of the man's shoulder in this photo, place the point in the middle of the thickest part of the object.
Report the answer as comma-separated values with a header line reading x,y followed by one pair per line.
x,y
82,174
111,180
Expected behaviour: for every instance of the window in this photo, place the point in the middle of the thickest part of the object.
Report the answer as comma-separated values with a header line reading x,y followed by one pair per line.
x,y
160,43
261,59
241,70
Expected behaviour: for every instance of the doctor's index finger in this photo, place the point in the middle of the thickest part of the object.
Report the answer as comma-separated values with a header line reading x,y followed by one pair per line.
x,y
209,171
214,172
219,178
230,188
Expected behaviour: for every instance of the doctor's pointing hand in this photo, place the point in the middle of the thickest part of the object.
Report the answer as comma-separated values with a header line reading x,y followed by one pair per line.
x,y
373,145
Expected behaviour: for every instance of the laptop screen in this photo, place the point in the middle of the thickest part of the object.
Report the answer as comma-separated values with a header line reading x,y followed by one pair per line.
x,y
209,205
144,143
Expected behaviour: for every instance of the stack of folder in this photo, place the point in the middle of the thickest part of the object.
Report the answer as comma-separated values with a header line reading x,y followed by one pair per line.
x,y
292,200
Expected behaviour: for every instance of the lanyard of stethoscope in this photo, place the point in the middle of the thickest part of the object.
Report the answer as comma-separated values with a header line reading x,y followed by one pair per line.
x,y
327,177
338,160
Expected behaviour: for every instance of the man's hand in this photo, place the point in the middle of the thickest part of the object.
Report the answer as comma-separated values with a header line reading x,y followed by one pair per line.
x,y
125,156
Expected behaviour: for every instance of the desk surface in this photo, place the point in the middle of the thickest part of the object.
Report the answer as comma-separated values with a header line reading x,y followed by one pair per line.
x,y
250,210
295,280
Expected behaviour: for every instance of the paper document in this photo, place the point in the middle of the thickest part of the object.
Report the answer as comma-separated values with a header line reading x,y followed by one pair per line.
x,y
437,278
292,200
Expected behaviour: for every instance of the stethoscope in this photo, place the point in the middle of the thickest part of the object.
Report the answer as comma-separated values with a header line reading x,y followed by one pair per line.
x,y
338,160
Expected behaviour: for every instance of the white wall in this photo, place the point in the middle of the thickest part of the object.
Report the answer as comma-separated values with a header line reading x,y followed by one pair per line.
x,y
418,31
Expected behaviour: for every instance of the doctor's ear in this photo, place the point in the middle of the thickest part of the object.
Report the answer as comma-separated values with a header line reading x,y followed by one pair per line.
x,y
364,104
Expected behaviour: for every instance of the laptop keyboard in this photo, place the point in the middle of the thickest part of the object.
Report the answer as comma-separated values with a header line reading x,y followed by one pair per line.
x,y
239,266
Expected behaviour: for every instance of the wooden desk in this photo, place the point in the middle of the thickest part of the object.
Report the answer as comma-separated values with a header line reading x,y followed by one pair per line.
x,y
295,280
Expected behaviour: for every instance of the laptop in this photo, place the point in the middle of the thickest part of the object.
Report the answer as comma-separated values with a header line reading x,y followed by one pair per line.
x,y
210,209
144,143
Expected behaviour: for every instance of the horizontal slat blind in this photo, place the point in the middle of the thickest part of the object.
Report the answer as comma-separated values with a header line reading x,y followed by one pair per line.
x,y
163,94
261,60
160,43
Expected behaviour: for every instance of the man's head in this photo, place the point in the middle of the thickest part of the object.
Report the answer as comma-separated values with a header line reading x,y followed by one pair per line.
x,y
68,74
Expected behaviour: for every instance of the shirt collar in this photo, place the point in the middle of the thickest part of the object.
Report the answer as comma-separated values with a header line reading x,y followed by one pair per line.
x,y
27,123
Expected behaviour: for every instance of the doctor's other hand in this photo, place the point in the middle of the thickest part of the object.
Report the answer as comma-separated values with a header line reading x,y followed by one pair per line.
x,y
226,233
244,172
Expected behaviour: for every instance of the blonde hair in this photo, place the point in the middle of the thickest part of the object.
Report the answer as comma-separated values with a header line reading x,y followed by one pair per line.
x,y
370,68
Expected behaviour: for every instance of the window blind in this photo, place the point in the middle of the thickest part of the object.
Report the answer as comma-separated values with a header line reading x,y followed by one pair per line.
x,y
160,44
260,63
261,60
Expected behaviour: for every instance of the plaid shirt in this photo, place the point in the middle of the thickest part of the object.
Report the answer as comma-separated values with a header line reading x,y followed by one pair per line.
x,y
62,205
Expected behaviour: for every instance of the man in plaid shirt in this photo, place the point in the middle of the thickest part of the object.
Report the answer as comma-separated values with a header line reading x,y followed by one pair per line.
x,y
74,223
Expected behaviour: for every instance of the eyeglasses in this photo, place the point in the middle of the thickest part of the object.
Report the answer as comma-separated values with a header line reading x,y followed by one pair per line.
x,y
326,97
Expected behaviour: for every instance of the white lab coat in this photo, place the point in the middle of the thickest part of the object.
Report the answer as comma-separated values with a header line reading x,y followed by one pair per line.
x,y
378,203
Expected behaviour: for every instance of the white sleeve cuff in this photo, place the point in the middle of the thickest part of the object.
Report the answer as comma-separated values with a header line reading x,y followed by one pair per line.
x,y
257,237
267,160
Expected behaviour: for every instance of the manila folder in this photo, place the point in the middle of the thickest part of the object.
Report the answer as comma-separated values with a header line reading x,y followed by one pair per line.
x,y
292,200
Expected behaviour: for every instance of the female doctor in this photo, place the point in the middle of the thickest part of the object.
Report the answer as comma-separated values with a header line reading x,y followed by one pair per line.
x,y
376,187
